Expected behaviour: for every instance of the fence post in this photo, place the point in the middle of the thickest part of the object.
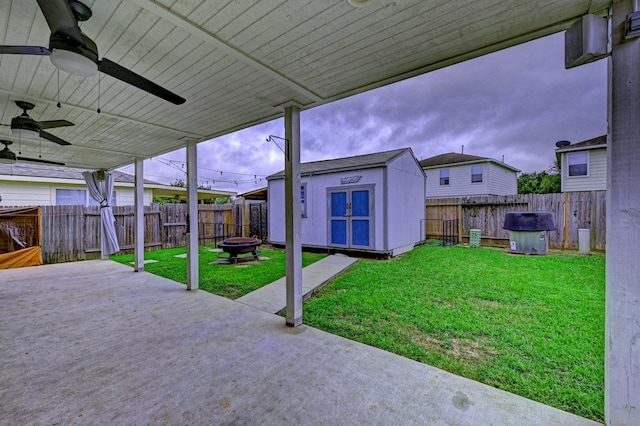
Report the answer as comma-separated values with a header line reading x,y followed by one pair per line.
x,y
565,242
459,214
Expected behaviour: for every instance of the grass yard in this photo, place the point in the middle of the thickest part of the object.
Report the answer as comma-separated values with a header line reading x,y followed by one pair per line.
x,y
531,325
230,281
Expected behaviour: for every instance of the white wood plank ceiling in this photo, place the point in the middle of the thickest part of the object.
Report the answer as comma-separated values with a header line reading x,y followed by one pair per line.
x,y
235,60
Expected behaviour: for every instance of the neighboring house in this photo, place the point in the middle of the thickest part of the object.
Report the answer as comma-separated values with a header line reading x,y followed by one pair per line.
x,y
372,202
584,165
34,185
254,196
457,175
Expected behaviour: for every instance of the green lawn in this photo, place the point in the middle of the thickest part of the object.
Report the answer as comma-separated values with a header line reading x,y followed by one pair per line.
x,y
231,281
531,325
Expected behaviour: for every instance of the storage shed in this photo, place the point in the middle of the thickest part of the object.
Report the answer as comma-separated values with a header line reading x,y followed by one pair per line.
x,y
373,202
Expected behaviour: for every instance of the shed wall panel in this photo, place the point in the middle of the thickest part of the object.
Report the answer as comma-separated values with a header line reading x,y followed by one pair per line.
x,y
405,198
315,225
277,211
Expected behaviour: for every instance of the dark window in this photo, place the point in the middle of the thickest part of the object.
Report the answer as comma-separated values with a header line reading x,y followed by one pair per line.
x,y
66,197
476,173
303,199
444,177
578,164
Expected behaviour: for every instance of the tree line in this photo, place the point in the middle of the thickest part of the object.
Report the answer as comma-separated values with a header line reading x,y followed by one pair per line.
x,y
544,182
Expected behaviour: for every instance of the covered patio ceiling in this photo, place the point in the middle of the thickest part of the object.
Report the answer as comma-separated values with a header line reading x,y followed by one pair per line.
x,y
236,61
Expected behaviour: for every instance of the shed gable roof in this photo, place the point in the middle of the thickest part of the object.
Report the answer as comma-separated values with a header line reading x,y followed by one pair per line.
x,y
366,161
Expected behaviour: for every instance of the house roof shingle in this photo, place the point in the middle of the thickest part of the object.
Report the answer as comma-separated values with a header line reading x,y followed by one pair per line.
x,y
600,140
346,163
59,172
456,158
450,158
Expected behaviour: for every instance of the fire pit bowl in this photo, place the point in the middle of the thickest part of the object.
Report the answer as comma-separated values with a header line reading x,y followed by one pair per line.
x,y
240,245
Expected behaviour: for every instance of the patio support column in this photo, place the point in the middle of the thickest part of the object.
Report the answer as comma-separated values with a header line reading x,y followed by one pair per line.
x,y
138,204
192,215
622,325
292,215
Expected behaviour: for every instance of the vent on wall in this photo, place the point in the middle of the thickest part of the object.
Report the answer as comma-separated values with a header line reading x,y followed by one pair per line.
x,y
632,25
585,41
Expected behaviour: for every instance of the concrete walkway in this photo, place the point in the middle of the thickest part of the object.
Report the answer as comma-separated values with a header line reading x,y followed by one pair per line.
x,y
272,297
94,343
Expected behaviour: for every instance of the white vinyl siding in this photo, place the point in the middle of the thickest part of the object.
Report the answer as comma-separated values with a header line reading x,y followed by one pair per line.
x,y
405,204
596,179
125,196
44,194
502,181
25,194
496,180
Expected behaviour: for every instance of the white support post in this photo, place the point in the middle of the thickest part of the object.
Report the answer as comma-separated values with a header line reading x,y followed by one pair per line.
x,y
138,203
192,215
622,325
292,215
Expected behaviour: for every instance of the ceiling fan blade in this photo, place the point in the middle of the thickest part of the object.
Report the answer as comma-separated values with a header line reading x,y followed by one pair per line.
x,y
114,70
24,50
39,160
52,138
61,20
50,124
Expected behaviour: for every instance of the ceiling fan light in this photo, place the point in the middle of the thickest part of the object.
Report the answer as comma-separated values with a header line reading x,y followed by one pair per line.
x,y
25,133
7,156
73,63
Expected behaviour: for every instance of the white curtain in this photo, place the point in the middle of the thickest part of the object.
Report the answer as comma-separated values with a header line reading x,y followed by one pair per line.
x,y
101,192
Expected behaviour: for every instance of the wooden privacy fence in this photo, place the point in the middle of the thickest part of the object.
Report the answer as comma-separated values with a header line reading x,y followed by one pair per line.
x,y
71,233
572,210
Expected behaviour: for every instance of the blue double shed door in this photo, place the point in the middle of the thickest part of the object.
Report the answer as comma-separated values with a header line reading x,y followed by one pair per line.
x,y
351,217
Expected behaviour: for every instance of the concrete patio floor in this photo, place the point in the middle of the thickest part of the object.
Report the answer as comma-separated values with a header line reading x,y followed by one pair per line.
x,y
96,343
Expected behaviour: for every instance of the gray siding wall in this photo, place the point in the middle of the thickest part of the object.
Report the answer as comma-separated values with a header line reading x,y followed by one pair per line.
x,y
596,180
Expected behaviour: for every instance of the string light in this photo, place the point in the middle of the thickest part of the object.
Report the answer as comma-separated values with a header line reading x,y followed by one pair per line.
x,y
251,178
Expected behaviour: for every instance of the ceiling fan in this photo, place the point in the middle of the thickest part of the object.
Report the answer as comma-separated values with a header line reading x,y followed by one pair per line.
x,y
9,157
72,51
26,127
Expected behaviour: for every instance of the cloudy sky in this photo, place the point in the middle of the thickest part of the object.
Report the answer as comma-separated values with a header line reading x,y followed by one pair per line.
x,y
514,103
